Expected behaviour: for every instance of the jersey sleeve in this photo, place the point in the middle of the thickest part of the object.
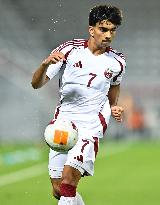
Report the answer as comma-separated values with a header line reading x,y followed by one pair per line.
x,y
118,78
54,69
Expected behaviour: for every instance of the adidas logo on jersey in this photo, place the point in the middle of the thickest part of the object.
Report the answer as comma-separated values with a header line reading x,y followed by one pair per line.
x,y
108,73
78,65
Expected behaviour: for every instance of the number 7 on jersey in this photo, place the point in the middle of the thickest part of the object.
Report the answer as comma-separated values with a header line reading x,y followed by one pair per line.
x,y
93,75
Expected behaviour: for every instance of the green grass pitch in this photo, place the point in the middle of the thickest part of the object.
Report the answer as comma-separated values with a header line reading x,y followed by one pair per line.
x,y
125,174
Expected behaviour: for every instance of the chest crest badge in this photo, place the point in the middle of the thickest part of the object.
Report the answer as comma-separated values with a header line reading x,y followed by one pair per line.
x,y
108,73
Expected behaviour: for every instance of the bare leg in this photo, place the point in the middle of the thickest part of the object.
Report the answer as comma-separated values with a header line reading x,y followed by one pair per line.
x,y
70,179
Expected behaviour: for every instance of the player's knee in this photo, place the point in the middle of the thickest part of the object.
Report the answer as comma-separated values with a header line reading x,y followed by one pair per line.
x,y
71,176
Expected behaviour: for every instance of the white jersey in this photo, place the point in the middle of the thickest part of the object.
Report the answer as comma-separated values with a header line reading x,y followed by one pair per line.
x,y
85,80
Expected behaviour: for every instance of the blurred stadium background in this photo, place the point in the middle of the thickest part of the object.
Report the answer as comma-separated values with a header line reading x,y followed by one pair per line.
x,y
29,30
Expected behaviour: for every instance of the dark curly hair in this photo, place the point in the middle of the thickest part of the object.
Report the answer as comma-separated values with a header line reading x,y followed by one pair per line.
x,y
105,12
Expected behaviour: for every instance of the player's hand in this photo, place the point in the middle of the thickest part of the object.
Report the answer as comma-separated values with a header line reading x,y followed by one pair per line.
x,y
54,58
117,112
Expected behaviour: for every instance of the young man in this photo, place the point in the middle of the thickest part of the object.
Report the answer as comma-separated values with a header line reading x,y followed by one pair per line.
x,y
90,75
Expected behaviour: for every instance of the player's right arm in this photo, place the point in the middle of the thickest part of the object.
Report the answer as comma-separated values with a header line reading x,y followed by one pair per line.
x,y
39,77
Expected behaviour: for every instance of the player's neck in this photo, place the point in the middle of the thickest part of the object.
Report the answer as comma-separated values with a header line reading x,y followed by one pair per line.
x,y
94,48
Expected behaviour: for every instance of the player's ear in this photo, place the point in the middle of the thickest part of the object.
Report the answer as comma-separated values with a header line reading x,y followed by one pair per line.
x,y
91,31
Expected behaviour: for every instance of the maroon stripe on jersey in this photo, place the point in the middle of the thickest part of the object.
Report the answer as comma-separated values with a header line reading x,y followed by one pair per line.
x,y
119,54
79,40
96,141
57,49
103,122
81,43
67,54
52,122
70,44
57,112
74,126
86,44
59,83
63,46
115,77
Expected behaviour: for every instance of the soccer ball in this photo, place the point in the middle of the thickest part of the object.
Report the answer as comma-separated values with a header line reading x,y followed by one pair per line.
x,y
61,135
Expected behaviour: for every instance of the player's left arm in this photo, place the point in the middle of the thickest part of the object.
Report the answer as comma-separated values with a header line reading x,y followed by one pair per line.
x,y
113,95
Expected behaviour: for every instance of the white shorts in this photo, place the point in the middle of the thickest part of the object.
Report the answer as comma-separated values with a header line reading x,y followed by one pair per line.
x,y
81,157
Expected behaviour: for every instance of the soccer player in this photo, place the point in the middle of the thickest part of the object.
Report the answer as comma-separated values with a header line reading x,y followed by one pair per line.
x,y
90,75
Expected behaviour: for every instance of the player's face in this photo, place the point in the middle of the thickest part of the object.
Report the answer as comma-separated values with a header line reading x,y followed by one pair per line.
x,y
103,33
